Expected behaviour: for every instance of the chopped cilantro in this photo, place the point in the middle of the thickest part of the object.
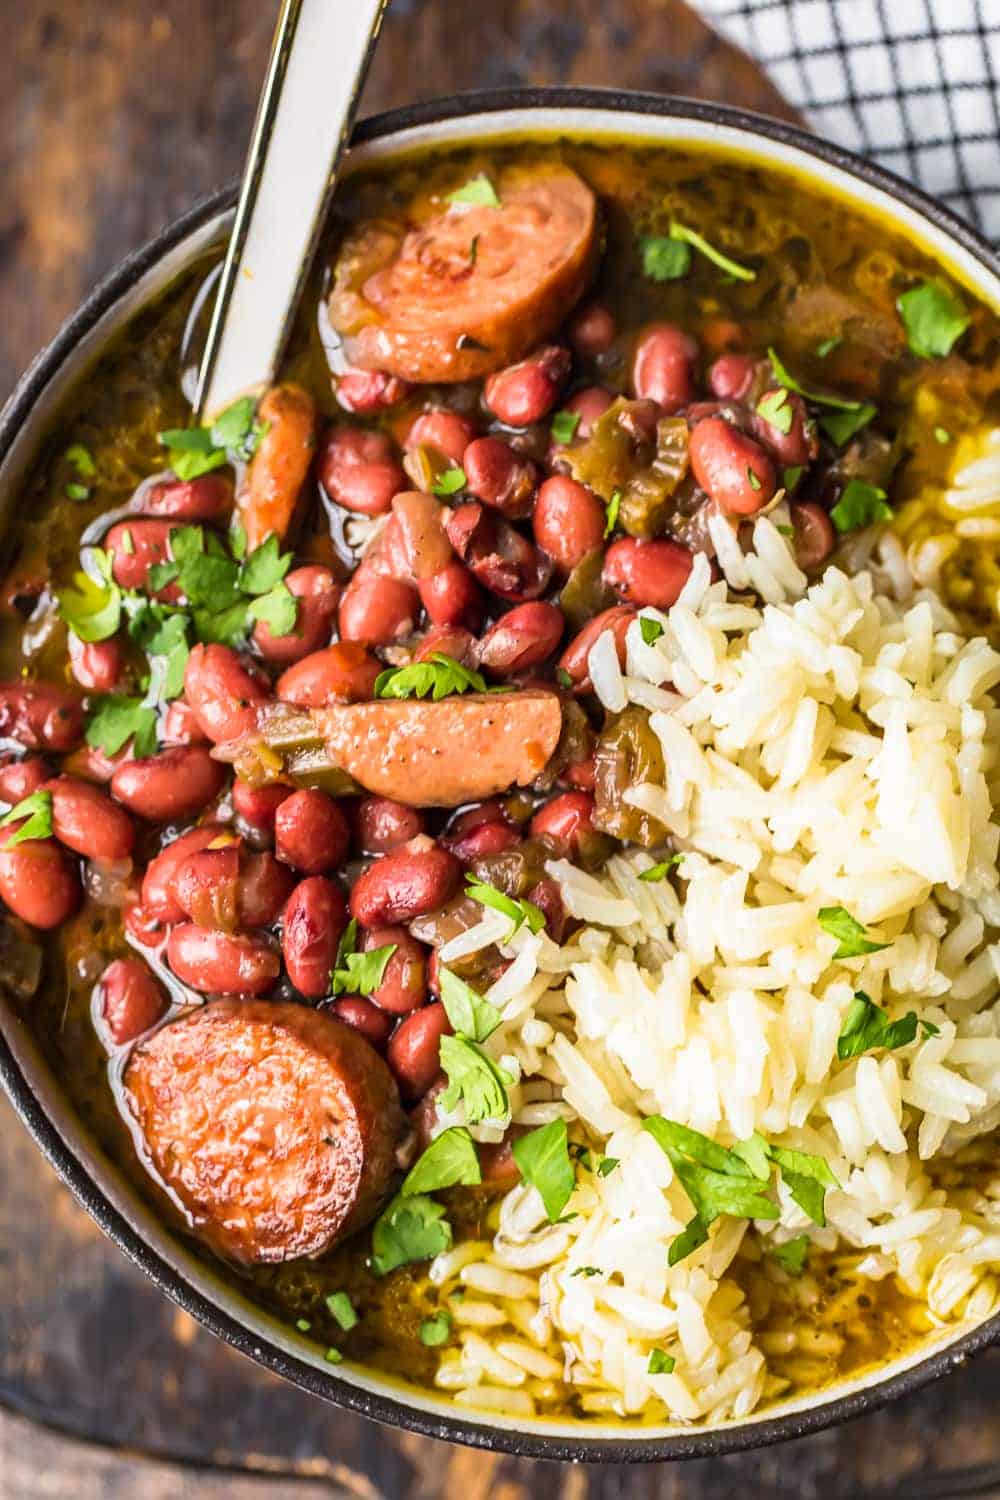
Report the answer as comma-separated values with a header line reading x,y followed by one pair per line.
x,y
587,1271
450,1159
437,678
354,972
611,514
659,871
934,319
607,1165
470,1014
848,931
792,1255
564,425
791,476
776,409
867,1027
785,378
478,191
691,237
520,911
474,1080
36,811
435,1331
841,426
563,678
663,258
118,720
543,1159
342,1308
75,491
82,460
650,629
303,1325
860,504
333,1356
828,346
278,609
198,450
942,435
410,1229
660,1362
450,481
754,481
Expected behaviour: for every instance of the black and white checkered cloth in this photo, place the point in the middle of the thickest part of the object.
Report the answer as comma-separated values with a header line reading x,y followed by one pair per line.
x,y
915,84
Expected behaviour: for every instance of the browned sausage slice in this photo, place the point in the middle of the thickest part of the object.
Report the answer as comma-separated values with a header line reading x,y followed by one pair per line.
x,y
423,306
279,467
443,754
273,1125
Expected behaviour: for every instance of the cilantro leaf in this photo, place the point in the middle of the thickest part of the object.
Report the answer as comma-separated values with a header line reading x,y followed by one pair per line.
x,y
867,1027
607,1165
785,378
860,504
470,1014
776,409
842,425
478,191
934,319
436,1331
360,973
93,611
659,871
792,1255
191,451
264,569
564,425
848,931
807,1178
118,720
791,476
235,429
439,677
651,629
278,608
37,812
716,1180
342,1309
691,237
663,258
942,435
828,346
544,1161
450,1159
474,1079
611,514
660,1362
162,632
519,911
449,481
82,460
76,491
410,1229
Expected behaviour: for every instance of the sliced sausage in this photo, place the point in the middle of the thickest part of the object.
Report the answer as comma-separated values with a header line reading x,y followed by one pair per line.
x,y
415,303
274,1125
461,749
279,467
40,716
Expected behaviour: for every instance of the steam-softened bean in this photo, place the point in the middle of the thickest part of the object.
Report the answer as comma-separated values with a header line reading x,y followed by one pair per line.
x,y
483,840
181,727
591,330
403,884
159,897
19,778
643,573
663,366
730,376
568,521
733,469
360,470
317,593
342,673
40,716
96,665
170,786
524,637
382,824
129,1000
496,475
419,534
452,596
265,886
414,1049
525,392
796,446
374,1025
135,546
222,963
444,430
207,498
222,691
207,887
257,805
447,640
814,535
314,922
377,610
589,403
574,659
498,556
87,821
39,882
565,819
548,898
404,979
311,832
368,391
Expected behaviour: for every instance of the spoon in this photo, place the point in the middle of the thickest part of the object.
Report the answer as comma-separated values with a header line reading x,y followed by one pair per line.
x,y
319,59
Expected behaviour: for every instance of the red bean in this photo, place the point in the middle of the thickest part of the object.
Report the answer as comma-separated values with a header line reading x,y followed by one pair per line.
x,y
342,673
142,926
318,594
496,475
96,665
403,884
181,727
589,404
368,391
497,1165
39,882
207,887
568,522
170,786
135,546
257,805
663,366
452,596
591,331
265,886
383,824
447,640
376,610
723,460
564,819
19,778
87,821
524,637
483,840
490,811
730,376
40,716
207,498
814,535
404,979
796,446
444,430
360,470
374,1025
419,535
574,659
222,963
524,392
311,832
222,692
129,1000
581,774
548,898
91,763
158,895
720,334
414,1049
647,572
314,922
498,556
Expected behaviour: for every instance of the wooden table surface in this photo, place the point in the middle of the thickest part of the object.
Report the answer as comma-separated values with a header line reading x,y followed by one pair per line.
x,y
115,115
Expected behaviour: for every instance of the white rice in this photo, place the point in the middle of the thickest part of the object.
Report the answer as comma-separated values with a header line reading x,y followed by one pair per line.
x,y
832,745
